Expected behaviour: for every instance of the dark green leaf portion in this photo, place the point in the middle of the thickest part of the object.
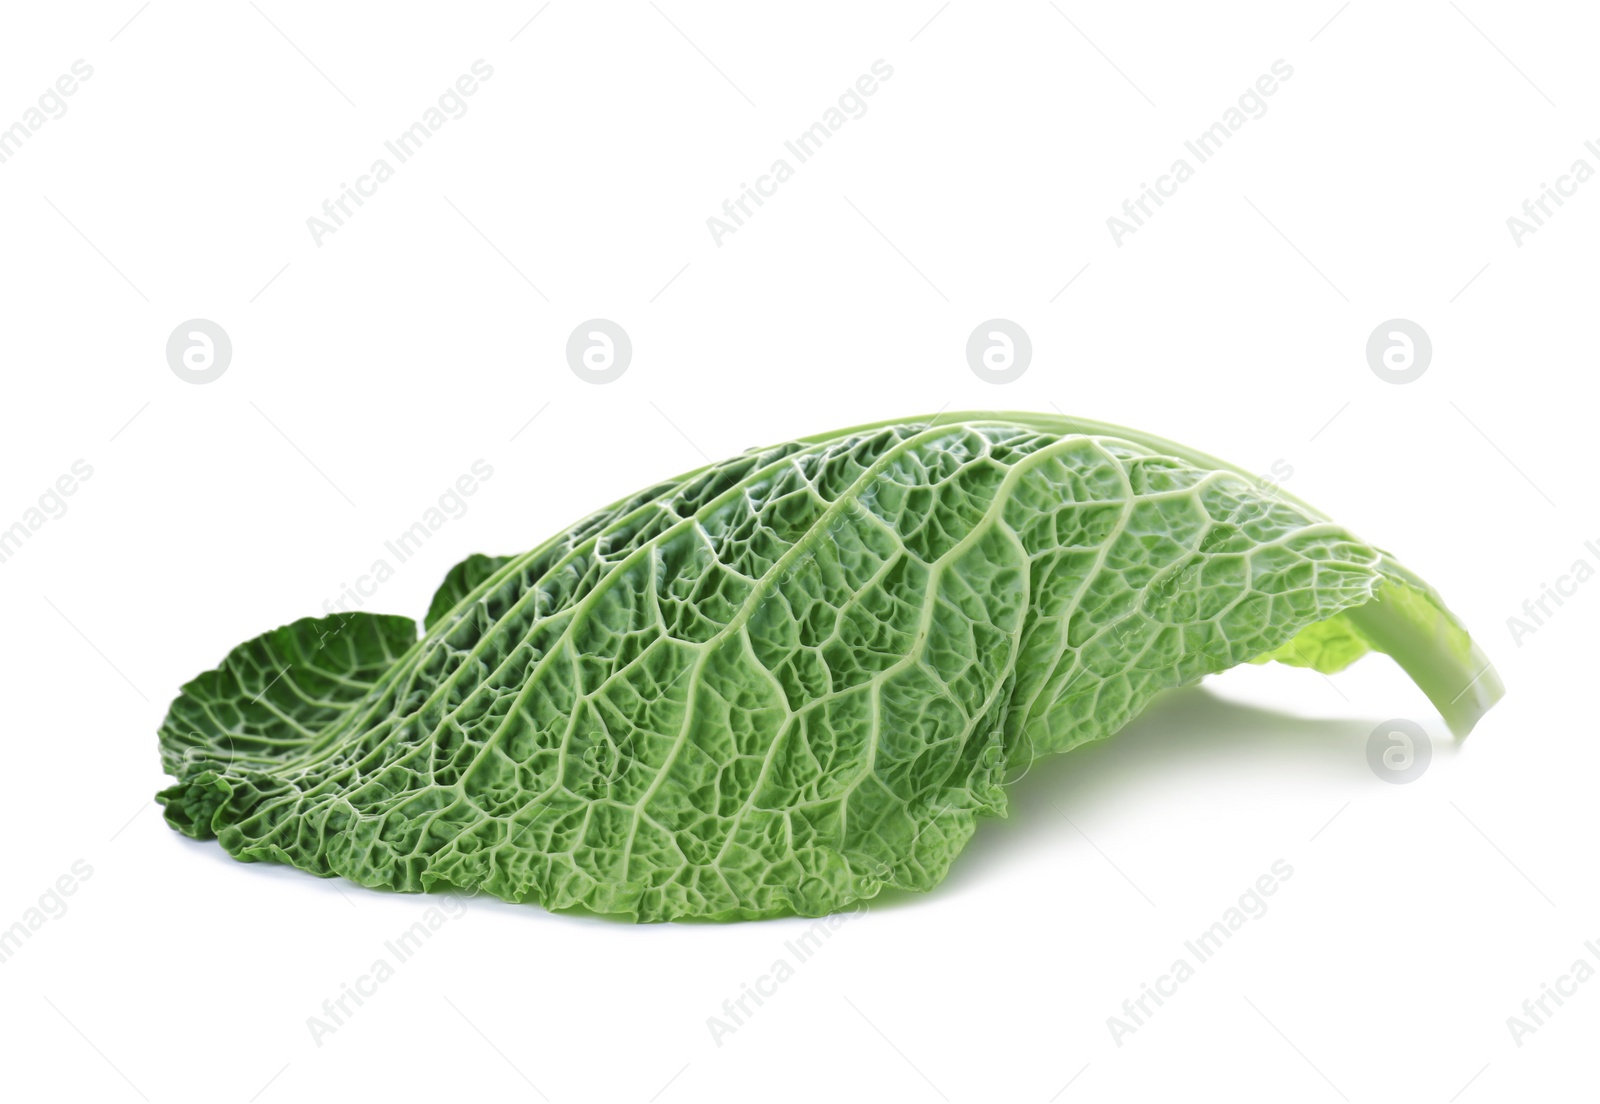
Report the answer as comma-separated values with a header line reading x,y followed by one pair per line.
x,y
463,578
270,700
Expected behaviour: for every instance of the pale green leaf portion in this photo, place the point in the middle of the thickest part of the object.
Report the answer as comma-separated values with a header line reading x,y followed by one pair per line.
x,y
781,683
1327,646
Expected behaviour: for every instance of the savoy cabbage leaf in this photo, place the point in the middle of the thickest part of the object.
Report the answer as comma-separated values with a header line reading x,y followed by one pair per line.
x,y
781,683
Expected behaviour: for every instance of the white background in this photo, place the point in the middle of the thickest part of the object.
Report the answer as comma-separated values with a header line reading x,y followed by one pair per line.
x,y
371,370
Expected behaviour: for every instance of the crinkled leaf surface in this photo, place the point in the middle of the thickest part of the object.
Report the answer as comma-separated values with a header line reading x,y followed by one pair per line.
x,y
781,683
461,581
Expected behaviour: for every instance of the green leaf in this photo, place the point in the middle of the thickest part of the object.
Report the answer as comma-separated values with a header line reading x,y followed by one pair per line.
x,y
272,697
780,683
463,578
